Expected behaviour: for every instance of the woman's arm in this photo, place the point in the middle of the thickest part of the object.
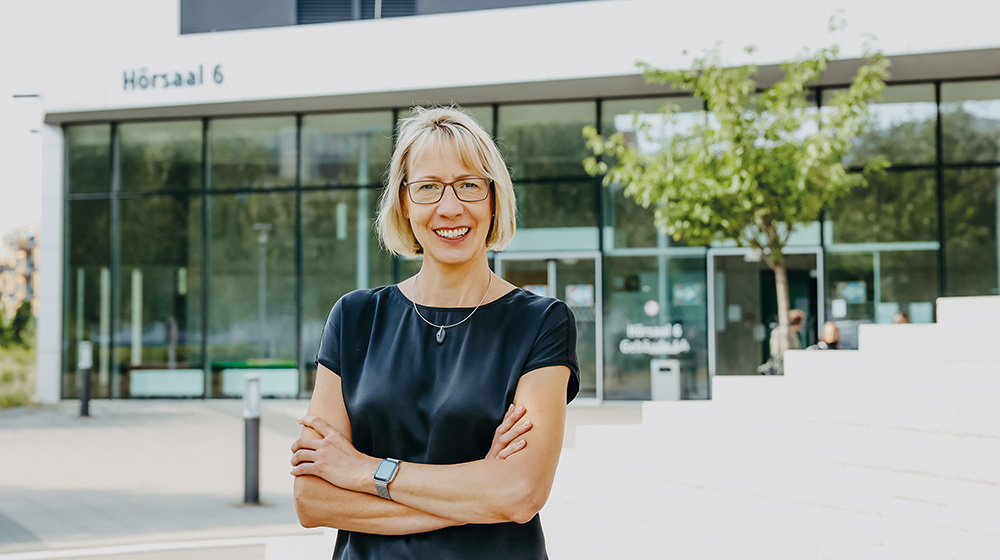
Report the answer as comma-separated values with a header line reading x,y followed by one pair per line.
x,y
484,491
319,503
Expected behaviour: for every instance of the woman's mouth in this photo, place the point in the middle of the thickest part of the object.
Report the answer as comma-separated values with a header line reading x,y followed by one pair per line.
x,y
453,233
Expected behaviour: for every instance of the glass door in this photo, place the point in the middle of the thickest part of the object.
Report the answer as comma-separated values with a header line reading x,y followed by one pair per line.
x,y
743,306
575,279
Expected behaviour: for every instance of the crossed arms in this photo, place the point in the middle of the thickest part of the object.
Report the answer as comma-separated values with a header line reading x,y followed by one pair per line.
x,y
334,485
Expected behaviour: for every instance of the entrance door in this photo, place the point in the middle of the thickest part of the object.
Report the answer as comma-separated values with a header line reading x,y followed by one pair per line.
x,y
574,278
743,308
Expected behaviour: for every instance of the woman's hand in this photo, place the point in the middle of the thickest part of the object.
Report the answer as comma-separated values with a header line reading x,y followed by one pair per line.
x,y
506,440
332,458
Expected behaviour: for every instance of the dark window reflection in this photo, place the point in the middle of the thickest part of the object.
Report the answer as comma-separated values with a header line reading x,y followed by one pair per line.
x,y
159,296
161,155
970,225
256,152
894,207
970,122
87,310
346,149
902,127
88,158
251,308
545,140
339,254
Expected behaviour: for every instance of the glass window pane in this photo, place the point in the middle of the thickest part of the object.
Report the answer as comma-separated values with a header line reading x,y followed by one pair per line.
x,y
346,149
160,155
545,140
159,297
339,254
898,206
555,216
88,158
251,306
902,127
482,113
970,225
87,311
256,152
654,291
970,121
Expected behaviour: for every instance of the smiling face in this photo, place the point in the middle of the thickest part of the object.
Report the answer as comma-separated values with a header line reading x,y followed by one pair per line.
x,y
450,231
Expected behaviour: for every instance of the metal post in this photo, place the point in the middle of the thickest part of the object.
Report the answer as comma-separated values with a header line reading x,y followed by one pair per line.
x,y
84,363
251,417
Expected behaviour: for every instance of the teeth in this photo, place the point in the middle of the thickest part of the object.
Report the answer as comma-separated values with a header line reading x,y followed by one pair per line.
x,y
452,233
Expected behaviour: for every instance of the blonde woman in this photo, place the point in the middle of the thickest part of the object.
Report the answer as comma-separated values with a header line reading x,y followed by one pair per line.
x,y
437,418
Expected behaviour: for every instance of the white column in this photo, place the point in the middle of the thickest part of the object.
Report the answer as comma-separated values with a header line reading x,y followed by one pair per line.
x,y
50,268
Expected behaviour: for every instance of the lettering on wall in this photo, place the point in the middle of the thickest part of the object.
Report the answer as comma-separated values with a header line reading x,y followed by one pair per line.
x,y
143,79
654,340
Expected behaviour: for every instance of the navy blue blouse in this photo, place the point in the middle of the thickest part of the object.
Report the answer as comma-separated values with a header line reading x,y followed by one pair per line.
x,y
413,399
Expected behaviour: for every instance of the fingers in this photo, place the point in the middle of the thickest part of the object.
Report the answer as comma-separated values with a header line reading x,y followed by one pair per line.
x,y
303,456
512,416
315,422
511,449
513,433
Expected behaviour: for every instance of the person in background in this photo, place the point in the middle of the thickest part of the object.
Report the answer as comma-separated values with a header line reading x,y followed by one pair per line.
x,y
831,338
782,339
900,318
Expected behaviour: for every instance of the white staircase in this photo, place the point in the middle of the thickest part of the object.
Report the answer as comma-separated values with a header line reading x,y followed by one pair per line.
x,y
890,451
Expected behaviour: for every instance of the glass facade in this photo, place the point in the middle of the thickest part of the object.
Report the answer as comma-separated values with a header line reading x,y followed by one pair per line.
x,y
199,249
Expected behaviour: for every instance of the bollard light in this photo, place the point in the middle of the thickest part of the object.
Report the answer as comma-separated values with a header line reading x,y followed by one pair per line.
x,y
84,363
251,421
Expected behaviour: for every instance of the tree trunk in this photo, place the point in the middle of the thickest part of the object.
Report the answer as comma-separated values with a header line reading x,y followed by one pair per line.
x,y
784,331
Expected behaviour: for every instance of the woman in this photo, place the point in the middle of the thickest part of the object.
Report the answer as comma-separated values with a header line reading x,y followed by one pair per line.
x,y
437,419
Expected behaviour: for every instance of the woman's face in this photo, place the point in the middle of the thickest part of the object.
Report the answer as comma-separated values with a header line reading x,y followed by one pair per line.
x,y
450,231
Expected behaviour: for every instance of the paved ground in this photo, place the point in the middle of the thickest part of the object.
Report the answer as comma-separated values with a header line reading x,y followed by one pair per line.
x,y
161,480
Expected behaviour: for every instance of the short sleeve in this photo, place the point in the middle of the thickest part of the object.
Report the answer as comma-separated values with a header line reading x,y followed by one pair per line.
x,y
328,353
556,346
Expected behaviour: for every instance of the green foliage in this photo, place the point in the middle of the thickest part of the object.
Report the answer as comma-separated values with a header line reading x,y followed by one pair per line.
x,y
17,376
757,164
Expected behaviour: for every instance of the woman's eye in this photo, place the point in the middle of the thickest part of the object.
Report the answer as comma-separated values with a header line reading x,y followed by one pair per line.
x,y
427,186
469,186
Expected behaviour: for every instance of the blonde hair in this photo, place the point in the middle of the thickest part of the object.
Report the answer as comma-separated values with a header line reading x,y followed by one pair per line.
x,y
430,128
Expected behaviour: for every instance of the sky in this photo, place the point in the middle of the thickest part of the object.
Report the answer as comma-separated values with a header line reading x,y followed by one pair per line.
x,y
20,149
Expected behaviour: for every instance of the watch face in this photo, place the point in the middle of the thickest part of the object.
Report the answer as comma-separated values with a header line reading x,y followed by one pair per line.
x,y
385,470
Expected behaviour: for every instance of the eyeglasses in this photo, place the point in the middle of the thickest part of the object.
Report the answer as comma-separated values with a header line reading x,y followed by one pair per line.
x,y
469,189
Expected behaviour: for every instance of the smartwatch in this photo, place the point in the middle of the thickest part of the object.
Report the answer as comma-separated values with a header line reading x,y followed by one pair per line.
x,y
384,474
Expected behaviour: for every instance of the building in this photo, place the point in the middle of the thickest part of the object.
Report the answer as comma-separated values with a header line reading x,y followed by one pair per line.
x,y
19,278
215,190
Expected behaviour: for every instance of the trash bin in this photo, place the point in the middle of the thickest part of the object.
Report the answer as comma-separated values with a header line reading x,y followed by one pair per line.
x,y
665,379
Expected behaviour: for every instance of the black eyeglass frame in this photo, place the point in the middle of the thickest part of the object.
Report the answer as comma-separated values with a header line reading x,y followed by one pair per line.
x,y
444,187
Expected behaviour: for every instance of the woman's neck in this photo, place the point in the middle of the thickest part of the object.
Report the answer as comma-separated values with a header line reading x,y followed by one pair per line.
x,y
439,285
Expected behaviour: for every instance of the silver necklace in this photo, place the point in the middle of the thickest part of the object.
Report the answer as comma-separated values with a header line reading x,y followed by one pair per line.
x,y
439,337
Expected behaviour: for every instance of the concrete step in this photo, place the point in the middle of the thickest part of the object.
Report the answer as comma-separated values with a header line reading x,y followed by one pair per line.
x,y
979,311
968,342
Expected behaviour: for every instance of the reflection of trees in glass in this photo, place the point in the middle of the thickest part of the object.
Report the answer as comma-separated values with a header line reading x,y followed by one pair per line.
x,y
907,141
968,137
547,205
88,150
970,208
544,150
252,153
893,207
162,156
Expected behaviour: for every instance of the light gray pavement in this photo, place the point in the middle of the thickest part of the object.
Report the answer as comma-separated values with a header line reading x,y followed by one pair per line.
x,y
162,480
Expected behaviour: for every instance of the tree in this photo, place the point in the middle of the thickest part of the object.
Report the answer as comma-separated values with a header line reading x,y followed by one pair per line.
x,y
756,165
20,323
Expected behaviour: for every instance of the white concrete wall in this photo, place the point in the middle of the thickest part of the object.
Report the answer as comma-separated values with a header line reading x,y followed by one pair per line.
x,y
49,330
892,451
82,49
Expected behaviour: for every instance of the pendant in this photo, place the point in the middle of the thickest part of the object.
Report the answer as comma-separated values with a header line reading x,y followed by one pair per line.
x,y
440,335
